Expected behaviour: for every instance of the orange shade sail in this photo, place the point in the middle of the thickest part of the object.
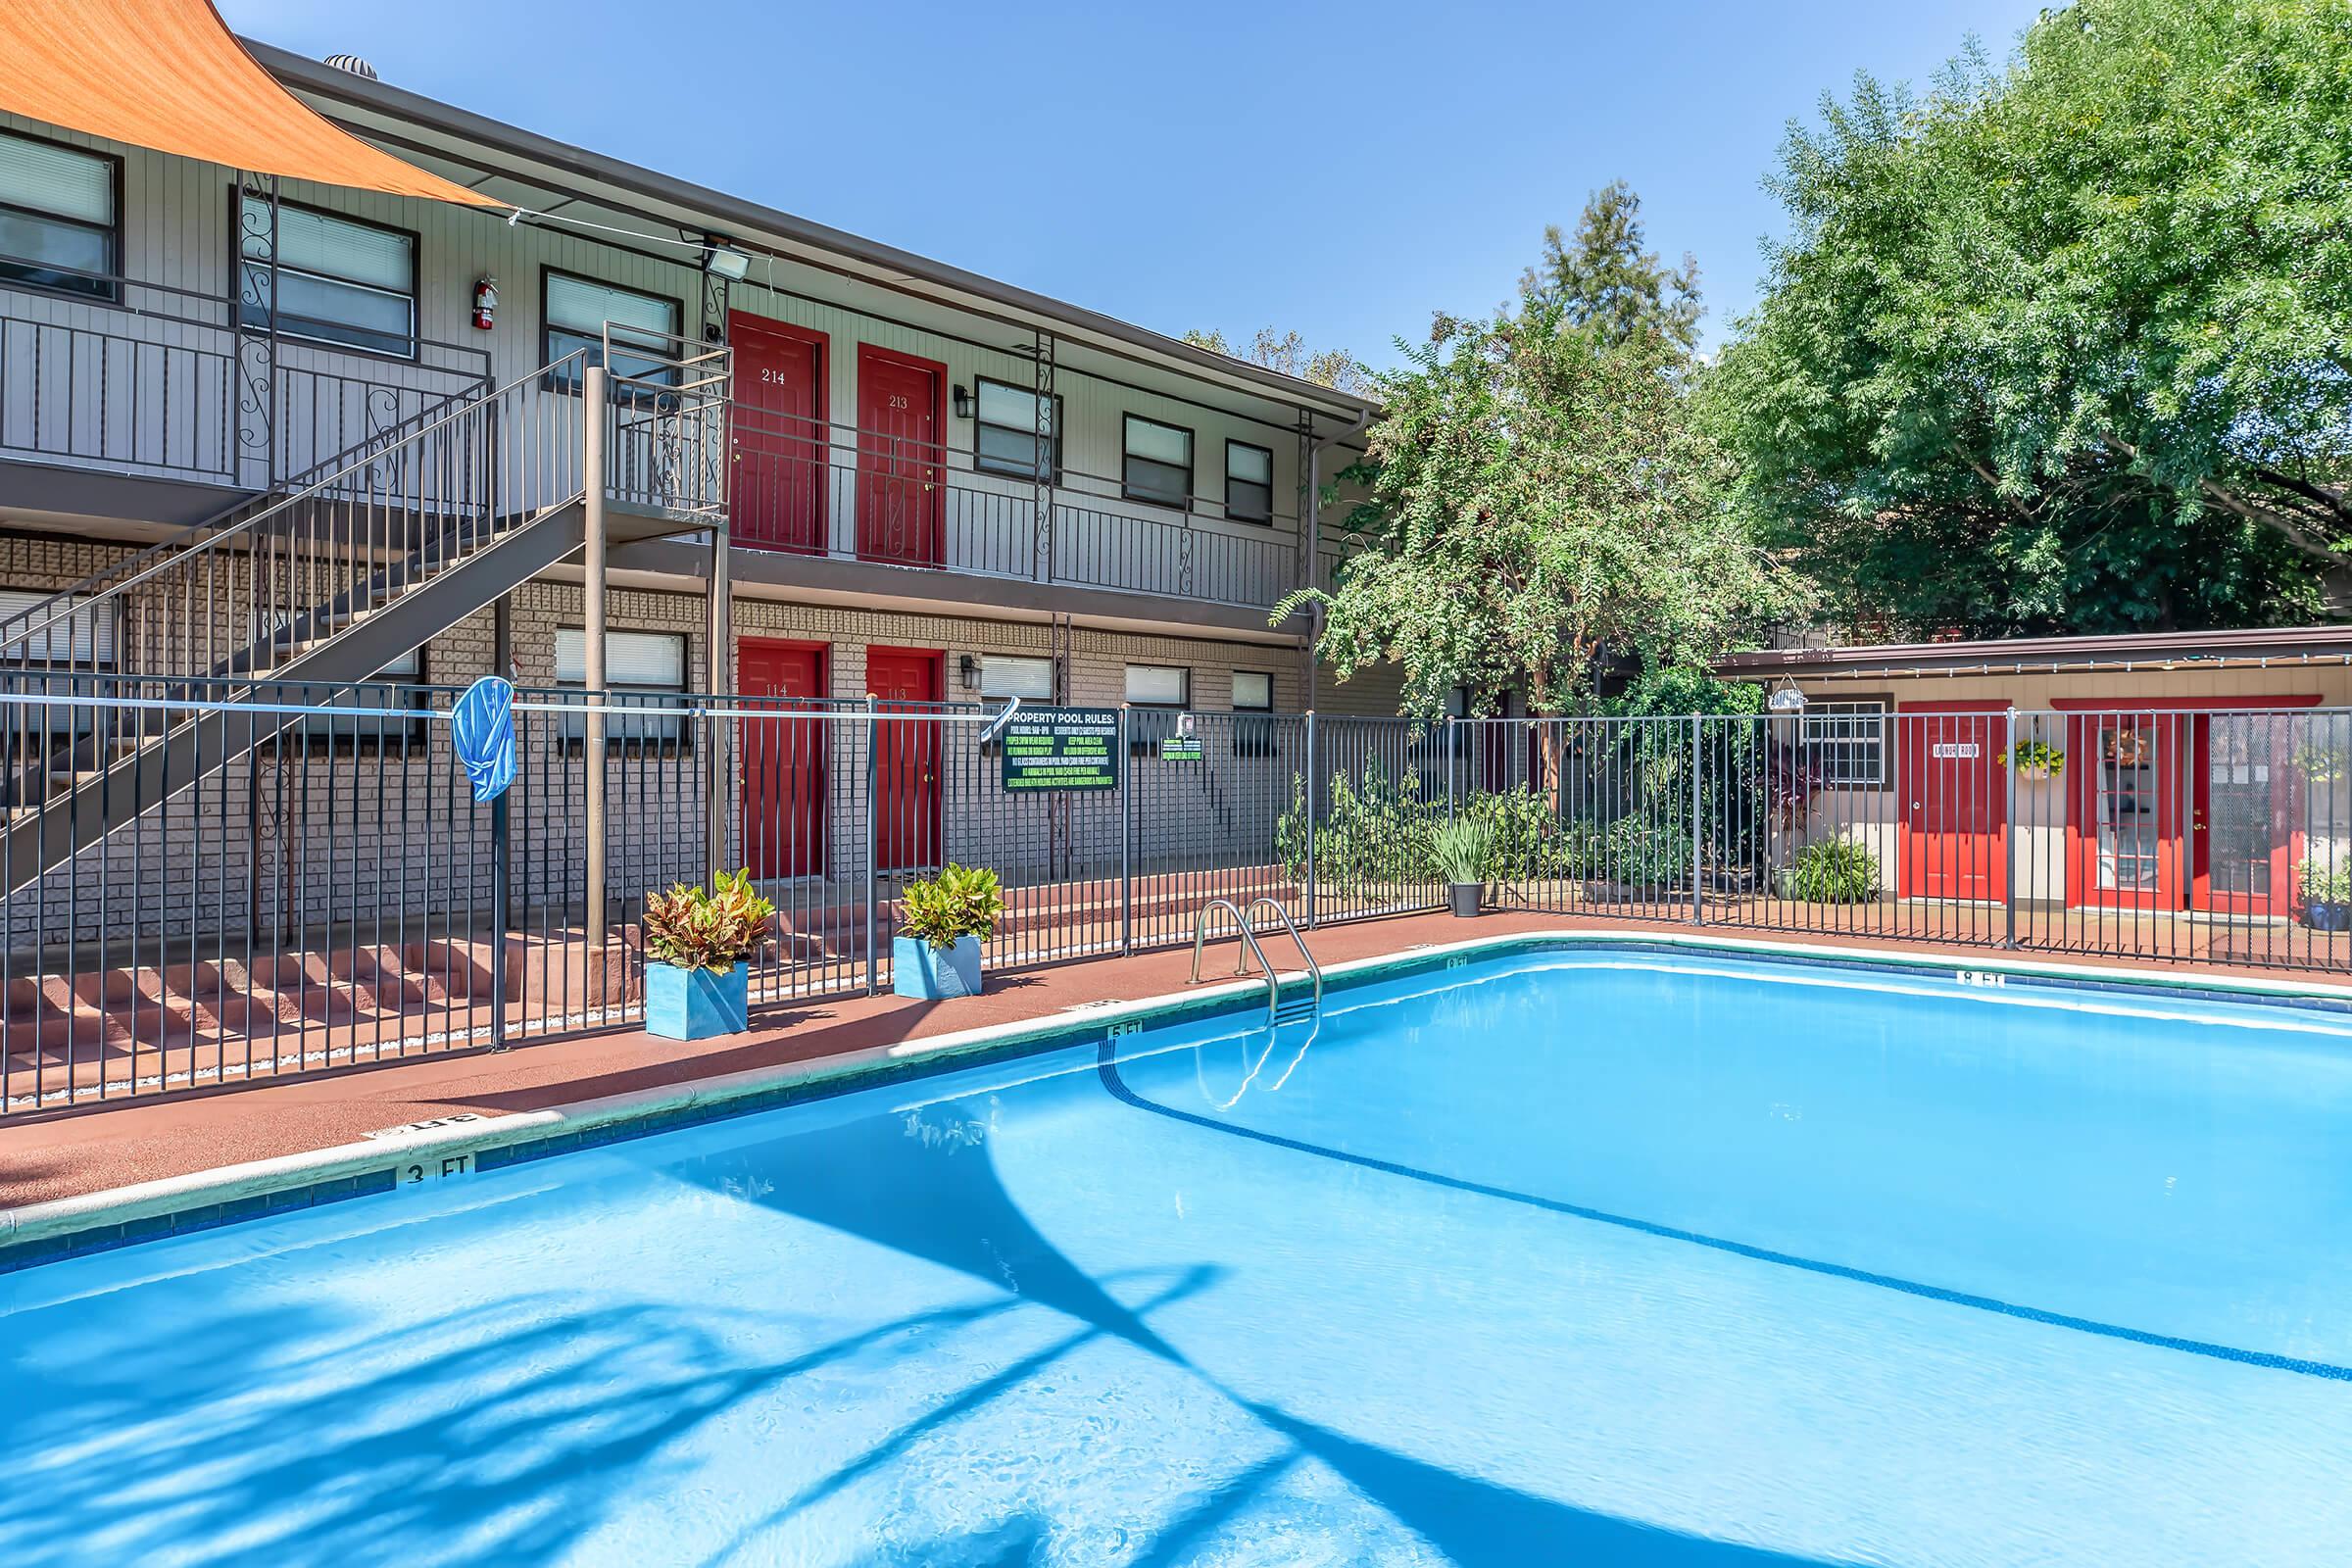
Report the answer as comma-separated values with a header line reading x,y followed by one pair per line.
x,y
169,75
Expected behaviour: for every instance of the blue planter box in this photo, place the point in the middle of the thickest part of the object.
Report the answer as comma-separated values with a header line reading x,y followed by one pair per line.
x,y
919,969
697,1003
2327,916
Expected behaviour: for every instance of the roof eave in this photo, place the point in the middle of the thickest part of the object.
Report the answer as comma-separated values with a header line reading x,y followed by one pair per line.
x,y
328,81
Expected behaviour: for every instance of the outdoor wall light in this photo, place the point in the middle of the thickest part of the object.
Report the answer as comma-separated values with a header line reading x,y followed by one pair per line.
x,y
967,668
721,260
963,403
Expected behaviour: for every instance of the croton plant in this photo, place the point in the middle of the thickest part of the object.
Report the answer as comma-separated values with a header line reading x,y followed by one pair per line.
x,y
718,929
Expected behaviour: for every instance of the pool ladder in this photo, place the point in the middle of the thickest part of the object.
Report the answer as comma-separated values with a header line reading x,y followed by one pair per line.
x,y
1276,1012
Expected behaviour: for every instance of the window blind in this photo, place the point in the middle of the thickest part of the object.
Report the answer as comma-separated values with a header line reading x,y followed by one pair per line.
x,y
63,181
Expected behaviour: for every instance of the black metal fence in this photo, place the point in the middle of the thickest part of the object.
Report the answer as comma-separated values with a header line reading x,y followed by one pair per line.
x,y
302,879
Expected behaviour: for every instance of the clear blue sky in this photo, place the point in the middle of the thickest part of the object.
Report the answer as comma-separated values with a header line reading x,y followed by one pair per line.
x,y
1339,170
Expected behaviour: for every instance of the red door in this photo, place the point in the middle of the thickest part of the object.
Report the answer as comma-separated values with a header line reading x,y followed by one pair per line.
x,y
2124,819
900,461
780,435
2245,821
783,758
1955,805
906,757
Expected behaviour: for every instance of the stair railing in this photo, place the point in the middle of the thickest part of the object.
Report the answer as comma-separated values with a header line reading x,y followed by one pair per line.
x,y
250,597
33,626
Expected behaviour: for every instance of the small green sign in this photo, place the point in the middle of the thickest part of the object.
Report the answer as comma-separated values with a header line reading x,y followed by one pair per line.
x,y
1062,749
1180,749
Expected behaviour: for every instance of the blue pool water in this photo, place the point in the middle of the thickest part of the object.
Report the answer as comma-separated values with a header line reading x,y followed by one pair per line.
x,y
1553,1258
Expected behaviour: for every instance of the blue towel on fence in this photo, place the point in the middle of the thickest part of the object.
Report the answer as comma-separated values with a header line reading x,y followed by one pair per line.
x,y
481,730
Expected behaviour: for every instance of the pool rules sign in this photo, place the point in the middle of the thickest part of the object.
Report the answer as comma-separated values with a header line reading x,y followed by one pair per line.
x,y
1062,749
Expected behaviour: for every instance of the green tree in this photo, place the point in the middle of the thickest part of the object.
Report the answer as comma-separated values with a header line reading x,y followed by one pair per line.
x,y
2063,345
1604,279
1287,353
1536,491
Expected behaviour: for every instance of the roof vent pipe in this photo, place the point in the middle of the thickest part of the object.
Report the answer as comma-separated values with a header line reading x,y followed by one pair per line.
x,y
353,64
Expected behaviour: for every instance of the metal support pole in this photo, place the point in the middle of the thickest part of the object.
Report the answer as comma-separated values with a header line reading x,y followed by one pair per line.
x,y
501,636
874,793
1126,766
722,681
1697,834
2009,839
501,844
1452,751
1313,793
592,639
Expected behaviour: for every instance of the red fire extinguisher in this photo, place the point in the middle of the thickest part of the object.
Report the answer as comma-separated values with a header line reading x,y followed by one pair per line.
x,y
485,302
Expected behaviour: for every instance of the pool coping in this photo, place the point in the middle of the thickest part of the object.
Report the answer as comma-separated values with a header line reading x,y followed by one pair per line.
x,y
426,1153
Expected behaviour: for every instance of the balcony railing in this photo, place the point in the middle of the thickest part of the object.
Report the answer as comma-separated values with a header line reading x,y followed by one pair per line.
x,y
809,488
156,381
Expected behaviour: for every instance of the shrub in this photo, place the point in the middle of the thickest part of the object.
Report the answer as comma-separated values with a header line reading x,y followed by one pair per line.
x,y
1374,830
960,902
1525,839
1833,871
1638,851
1464,848
715,930
2321,883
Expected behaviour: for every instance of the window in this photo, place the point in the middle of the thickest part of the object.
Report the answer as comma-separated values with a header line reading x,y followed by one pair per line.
x,y
1159,462
1029,680
1254,702
57,216
639,666
395,736
1158,686
1248,482
86,637
338,280
1848,742
575,311
1166,690
1005,433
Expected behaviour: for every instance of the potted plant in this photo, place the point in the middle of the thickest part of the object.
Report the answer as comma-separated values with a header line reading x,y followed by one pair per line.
x,y
2036,759
936,954
698,949
2327,895
1463,848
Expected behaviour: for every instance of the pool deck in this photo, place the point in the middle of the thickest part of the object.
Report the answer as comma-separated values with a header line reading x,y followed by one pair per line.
x,y
70,1153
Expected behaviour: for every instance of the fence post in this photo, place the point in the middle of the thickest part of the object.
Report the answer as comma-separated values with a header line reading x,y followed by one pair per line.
x,y
2009,834
873,744
1313,792
500,843
1697,906
1126,768
592,643
1451,808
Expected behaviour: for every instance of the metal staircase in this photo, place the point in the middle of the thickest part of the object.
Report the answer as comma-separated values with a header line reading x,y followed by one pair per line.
x,y
284,605
1278,1011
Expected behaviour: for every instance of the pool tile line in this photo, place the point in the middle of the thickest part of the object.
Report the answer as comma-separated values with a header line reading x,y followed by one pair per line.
x,y
71,1226
1106,1067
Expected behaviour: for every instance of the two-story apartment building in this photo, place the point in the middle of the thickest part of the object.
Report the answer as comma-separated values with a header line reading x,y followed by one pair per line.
x,y
937,487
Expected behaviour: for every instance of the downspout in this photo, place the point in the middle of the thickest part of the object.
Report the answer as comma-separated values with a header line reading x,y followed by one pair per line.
x,y
1311,528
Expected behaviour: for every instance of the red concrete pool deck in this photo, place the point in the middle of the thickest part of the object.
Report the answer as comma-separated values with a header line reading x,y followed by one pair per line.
x,y
71,1153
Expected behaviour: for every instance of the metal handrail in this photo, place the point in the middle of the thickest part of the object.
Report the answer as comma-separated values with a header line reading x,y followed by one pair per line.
x,y
161,560
1315,970
81,598
1248,937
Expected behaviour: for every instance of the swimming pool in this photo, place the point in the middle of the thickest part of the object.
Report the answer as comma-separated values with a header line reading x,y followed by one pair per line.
x,y
1555,1257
